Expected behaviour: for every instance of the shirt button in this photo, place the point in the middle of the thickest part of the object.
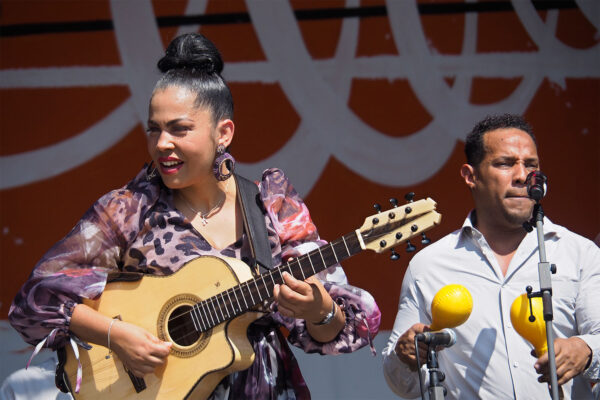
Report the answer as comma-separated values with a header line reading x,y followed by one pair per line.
x,y
509,326
516,364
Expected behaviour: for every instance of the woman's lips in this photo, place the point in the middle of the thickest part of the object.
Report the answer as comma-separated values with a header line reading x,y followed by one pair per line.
x,y
169,165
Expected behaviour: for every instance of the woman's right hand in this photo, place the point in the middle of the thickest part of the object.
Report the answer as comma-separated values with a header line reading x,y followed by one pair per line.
x,y
139,351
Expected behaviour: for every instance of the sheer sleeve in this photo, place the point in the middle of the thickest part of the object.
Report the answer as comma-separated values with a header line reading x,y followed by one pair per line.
x,y
76,267
298,235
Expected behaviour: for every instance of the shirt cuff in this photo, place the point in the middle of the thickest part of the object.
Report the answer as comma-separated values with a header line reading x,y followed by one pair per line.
x,y
400,378
593,370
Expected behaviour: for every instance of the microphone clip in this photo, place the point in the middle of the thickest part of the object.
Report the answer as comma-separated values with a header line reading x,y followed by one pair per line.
x,y
537,185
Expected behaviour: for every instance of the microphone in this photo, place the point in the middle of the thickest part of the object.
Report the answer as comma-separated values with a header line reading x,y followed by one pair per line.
x,y
445,338
537,184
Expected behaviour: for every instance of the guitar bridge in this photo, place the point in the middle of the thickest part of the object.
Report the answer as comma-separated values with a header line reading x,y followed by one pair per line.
x,y
138,383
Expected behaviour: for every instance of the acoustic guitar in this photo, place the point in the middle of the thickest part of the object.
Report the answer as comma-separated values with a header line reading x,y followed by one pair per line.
x,y
205,308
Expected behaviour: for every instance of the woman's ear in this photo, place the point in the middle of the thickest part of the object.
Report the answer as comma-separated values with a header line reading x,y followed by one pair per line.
x,y
225,129
468,174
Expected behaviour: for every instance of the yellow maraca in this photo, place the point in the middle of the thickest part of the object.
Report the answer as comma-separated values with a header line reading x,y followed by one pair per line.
x,y
534,332
450,307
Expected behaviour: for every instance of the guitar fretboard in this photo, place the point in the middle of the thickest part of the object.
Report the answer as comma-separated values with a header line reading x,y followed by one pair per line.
x,y
243,297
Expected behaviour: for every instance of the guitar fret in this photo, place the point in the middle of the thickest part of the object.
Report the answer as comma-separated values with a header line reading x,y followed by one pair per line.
x,y
203,325
344,239
232,305
333,251
243,297
225,304
321,254
208,314
273,280
257,290
196,326
300,266
216,314
250,291
265,284
311,264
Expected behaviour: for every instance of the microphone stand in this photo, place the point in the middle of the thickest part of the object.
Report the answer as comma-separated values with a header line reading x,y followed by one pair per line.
x,y
435,391
544,270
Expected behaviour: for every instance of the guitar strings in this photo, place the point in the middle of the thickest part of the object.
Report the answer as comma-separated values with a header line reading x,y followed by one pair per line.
x,y
267,281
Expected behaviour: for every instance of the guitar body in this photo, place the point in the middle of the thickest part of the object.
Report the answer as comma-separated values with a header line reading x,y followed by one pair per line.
x,y
197,362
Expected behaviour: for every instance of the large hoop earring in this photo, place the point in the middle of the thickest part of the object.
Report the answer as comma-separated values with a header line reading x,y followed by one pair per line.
x,y
224,164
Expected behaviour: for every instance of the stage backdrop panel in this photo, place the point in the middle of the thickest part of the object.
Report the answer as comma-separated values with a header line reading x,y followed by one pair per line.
x,y
357,101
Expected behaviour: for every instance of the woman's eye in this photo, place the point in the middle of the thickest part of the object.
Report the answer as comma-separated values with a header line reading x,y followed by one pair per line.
x,y
152,131
181,129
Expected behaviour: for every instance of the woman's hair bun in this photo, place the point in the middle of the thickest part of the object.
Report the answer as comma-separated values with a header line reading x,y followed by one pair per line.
x,y
191,51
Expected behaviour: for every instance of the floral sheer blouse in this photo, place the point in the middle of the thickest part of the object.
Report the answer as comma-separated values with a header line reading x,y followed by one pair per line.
x,y
138,229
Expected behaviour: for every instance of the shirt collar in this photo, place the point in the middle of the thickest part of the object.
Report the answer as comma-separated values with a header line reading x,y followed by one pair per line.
x,y
468,228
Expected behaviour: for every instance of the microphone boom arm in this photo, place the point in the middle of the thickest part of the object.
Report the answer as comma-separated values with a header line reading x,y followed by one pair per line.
x,y
544,273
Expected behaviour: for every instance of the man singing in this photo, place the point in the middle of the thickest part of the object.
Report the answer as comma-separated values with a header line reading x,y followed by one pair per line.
x,y
495,258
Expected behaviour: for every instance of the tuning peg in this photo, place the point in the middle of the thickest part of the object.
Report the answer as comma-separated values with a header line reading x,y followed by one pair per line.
x,y
409,196
394,202
409,247
424,239
395,256
377,207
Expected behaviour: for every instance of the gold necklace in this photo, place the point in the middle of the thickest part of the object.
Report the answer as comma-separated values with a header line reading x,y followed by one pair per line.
x,y
204,216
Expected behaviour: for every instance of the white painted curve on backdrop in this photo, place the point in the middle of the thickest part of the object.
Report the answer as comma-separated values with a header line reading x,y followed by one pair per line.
x,y
369,153
318,89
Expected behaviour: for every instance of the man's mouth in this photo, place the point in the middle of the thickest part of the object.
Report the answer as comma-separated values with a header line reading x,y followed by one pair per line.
x,y
517,195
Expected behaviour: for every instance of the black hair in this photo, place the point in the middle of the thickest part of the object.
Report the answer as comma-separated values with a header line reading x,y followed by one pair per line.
x,y
192,61
474,148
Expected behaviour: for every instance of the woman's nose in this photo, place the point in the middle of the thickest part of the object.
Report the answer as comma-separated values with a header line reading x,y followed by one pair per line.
x,y
164,141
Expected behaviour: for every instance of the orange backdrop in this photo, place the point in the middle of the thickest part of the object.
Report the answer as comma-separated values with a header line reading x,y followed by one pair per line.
x,y
39,110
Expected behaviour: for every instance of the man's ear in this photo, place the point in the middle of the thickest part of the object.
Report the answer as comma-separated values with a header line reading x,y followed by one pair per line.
x,y
225,130
468,174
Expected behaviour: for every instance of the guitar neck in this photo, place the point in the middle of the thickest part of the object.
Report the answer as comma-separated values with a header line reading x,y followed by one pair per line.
x,y
245,296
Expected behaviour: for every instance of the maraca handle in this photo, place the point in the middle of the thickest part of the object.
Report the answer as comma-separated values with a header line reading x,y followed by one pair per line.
x,y
541,351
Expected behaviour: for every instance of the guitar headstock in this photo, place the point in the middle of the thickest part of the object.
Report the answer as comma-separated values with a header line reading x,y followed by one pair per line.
x,y
386,229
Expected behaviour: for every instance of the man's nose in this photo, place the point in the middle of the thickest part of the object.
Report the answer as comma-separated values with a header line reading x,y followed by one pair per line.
x,y
520,173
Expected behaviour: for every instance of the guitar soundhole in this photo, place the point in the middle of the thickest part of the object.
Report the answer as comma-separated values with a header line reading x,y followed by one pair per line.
x,y
181,327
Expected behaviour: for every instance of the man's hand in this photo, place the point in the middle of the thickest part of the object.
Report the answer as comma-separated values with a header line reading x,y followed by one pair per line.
x,y
405,346
572,357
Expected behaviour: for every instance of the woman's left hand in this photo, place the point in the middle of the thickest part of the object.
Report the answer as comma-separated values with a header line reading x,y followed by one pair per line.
x,y
306,300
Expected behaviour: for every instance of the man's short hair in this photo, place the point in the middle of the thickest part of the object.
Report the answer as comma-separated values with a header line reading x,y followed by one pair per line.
x,y
474,148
